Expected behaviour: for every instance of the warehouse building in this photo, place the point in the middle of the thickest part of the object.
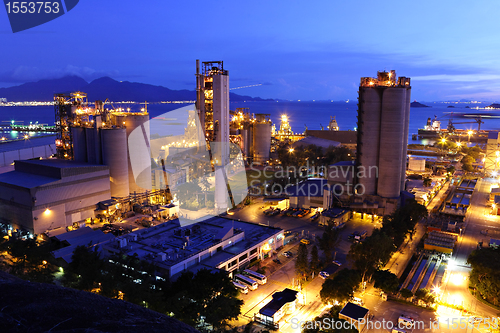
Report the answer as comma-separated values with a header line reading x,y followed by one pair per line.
x,y
216,243
52,195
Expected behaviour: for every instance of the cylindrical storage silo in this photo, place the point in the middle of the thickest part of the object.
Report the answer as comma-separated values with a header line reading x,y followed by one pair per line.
x,y
139,151
392,129
369,134
250,141
406,133
115,156
79,144
93,141
261,142
244,141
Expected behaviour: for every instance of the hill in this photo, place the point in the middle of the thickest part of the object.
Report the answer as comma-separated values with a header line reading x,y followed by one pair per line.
x,y
416,104
101,89
38,307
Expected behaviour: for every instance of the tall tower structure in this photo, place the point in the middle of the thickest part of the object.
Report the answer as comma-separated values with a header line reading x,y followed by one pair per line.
x,y
383,120
212,103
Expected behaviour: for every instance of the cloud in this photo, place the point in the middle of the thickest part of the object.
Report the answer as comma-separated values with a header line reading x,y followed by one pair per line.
x,y
23,74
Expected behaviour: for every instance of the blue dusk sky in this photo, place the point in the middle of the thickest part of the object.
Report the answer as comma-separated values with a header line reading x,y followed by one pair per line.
x,y
294,49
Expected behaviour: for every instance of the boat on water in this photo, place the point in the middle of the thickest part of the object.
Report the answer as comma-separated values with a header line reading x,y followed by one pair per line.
x,y
433,130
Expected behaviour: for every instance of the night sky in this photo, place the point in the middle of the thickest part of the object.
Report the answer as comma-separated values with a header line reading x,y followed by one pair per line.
x,y
295,49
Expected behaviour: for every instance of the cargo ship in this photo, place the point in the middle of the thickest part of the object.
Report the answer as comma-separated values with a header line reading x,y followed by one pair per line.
x,y
433,130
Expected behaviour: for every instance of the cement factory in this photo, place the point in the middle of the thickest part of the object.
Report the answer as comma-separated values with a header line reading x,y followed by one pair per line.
x,y
107,167
136,172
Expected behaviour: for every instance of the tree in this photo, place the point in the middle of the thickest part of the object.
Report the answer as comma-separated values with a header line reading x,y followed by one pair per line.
x,y
485,274
328,241
386,281
301,264
427,182
314,263
331,317
30,259
374,252
406,293
341,287
402,222
85,271
425,296
207,294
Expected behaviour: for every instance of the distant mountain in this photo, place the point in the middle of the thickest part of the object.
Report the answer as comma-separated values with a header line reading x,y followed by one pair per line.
x,y
494,106
102,89
416,104
42,90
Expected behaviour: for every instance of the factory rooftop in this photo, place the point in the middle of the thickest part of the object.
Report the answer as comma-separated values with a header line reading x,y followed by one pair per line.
x,y
208,244
35,173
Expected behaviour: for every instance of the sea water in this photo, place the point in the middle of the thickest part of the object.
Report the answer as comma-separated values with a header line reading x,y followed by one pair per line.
x,y
312,115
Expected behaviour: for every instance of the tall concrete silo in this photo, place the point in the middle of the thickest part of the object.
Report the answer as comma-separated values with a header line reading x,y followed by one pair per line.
x,y
392,128
114,155
403,81
383,121
93,141
369,108
79,144
139,151
261,138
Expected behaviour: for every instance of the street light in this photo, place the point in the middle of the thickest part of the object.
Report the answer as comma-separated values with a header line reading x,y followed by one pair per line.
x,y
469,133
290,150
443,141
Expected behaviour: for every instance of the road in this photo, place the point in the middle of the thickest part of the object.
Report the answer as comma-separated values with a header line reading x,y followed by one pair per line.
x,y
455,286
281,276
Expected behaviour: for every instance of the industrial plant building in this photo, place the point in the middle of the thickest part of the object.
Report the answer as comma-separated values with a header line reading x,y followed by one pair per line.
x,y
383,120
117,139
52,195
253,134
216,243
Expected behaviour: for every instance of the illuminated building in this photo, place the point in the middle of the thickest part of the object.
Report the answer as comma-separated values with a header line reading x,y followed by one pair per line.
x,y
52,195
216,243
107,137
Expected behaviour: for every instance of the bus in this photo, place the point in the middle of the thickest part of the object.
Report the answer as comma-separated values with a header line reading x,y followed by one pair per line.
x,y
260,278
241,287
252,285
